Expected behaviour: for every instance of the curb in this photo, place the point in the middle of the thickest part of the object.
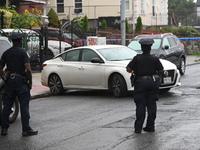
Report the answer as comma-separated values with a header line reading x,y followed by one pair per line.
x,y
41,95
195,63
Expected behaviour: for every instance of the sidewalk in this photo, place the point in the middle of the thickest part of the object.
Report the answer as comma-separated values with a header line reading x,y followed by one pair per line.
x,y
38,90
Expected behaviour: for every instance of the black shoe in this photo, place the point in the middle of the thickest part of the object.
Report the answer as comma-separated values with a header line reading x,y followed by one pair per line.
x,y
4,131
137,131
149,129
30,132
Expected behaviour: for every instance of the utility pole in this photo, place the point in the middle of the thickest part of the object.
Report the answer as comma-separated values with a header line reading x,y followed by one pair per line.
x,y
123,24
133,13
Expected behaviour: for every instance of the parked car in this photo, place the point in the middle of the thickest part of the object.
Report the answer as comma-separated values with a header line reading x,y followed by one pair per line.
x,y
32,45
166,46
98,67
5,44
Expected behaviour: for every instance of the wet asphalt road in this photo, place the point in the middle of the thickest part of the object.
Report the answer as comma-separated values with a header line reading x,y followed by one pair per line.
x,y
97,121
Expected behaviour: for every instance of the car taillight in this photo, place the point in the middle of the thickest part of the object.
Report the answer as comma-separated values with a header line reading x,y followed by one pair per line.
x,y
43,65
182,44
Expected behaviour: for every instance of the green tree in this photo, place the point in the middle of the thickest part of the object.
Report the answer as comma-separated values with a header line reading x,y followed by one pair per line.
x,y
103,24
138,25
53,18
85,23
127,26
182,9
7,17
26,19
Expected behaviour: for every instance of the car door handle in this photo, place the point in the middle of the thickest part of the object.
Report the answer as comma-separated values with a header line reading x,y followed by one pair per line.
x,y
81,68
59,65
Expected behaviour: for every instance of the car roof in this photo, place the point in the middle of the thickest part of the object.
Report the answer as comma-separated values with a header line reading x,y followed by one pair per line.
x,y
153,35
23,30
100,46
3,38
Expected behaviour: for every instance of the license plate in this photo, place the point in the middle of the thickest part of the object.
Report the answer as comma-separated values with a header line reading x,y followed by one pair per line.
x,y
167,80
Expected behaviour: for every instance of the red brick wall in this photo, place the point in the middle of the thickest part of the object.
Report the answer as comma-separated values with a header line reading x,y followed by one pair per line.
x,y
29,6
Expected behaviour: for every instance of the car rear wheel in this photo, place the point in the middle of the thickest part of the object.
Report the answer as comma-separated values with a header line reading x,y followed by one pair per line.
x,y
117,85
182,66
55,85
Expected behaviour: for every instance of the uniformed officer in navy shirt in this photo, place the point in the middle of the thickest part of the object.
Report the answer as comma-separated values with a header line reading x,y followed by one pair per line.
x,y
146,88
18,84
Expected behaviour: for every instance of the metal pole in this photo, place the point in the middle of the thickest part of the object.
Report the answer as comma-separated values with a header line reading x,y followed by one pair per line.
x,y
2,19
133,5
123,25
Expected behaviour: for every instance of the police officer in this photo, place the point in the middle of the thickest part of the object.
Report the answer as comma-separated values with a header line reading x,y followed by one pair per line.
x,y
18,84
146,88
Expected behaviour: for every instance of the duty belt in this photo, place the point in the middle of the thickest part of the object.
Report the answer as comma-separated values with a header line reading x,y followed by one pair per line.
x,y
13,75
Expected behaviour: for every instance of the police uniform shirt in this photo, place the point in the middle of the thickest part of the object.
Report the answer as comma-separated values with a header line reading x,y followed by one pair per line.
x,y
145,65
15,58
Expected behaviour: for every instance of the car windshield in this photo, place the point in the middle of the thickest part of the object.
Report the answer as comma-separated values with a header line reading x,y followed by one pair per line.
x,y
135,45
117,53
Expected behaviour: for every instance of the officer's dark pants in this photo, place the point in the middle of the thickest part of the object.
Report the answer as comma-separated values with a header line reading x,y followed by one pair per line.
x,y
16,87
146,93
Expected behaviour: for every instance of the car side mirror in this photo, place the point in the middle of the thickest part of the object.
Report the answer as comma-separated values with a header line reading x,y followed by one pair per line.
x,y
96,60
166,47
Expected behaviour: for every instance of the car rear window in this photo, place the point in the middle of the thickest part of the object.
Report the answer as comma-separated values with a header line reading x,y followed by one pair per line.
x,y
135,45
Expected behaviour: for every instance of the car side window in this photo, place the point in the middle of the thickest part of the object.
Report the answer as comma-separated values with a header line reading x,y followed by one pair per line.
x,y
172,41
165,42
71,55
88,54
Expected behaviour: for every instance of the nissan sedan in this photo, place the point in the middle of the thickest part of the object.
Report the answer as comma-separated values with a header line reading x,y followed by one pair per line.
x,y
98,67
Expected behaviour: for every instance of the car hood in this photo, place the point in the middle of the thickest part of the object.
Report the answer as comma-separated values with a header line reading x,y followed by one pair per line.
x,y
167,64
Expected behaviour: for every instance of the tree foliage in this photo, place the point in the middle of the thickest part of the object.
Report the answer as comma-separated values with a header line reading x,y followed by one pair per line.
x,y
82,22
103,24
182,9
127,26
53,18
138,25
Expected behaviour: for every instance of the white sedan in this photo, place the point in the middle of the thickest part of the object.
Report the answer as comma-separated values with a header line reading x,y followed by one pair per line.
x,y
98,67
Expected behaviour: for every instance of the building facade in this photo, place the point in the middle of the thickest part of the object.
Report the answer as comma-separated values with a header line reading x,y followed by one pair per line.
x,y
152,12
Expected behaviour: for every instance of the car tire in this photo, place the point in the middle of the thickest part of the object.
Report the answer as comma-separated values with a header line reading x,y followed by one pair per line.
x,y
15,110
55,85
117,85
182,66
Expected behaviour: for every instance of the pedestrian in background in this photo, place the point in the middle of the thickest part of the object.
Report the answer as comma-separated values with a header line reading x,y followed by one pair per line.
x,y
146,88
18,84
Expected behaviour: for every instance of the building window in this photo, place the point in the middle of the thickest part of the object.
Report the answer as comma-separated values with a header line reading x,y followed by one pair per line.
x,y
78,6
60,6
127,5
142,6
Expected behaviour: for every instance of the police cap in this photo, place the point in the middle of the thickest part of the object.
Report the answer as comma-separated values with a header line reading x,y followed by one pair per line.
x,y
15,36
146,41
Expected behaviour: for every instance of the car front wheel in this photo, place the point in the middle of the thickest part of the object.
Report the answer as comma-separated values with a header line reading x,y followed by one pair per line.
x,y
55,85
117,85
182,66
14,110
